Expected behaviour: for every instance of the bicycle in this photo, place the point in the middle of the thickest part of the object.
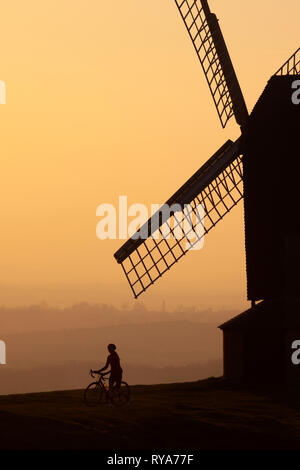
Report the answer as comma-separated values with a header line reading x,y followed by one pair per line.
x,y
98,392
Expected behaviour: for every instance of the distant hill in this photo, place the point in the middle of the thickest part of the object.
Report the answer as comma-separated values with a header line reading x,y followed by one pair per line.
x,y
150,352
74,374
158,344
43,317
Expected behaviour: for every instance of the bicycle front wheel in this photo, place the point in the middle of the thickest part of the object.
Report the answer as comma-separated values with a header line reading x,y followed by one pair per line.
x,y
93,394
121,396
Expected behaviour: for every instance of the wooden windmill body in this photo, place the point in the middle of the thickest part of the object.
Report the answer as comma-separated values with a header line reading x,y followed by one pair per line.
x,y
258,167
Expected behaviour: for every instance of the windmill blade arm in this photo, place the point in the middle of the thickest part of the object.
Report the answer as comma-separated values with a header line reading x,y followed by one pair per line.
x,y
291,66
208,41
154,249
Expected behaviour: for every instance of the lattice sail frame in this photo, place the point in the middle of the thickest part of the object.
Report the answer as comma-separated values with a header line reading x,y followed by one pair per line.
x,y
208,41
216,187
291,66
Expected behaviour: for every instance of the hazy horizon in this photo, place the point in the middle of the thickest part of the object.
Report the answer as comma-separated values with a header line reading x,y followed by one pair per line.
x,y
106,101
65,295
52,348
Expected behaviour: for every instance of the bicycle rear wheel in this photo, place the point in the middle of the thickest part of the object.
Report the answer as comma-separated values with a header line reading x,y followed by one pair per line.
x,y
93,394
121,396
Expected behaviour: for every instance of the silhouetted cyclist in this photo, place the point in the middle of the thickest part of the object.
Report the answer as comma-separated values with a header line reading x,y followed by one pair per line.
x,y
116,370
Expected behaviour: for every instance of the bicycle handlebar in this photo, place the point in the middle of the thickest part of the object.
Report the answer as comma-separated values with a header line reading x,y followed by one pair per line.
x,y
100,373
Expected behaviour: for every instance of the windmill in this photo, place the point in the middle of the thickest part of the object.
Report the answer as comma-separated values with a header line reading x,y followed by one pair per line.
x,y
256,167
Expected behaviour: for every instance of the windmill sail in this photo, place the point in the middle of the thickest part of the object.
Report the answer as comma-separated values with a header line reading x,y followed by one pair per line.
x,y
208,41
216,188
291,66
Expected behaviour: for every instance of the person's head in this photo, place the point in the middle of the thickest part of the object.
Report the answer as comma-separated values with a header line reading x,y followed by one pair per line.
x,y
111,347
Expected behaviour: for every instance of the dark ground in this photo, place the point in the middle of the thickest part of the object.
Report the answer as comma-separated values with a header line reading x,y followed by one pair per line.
x,y
208,414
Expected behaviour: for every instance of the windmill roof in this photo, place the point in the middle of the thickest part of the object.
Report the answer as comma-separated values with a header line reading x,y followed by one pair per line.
x,y
282,312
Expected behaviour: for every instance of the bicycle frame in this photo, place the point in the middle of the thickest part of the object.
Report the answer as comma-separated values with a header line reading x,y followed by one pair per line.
x,y
101,380
116,396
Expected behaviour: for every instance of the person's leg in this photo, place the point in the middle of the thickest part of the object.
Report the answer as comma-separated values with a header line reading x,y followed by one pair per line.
x,y
112,380
118,380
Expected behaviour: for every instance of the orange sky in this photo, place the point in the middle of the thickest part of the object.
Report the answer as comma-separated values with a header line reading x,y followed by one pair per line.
x,y
106,99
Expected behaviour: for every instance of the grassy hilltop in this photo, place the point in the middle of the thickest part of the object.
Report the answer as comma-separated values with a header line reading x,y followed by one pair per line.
x,y
207,414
